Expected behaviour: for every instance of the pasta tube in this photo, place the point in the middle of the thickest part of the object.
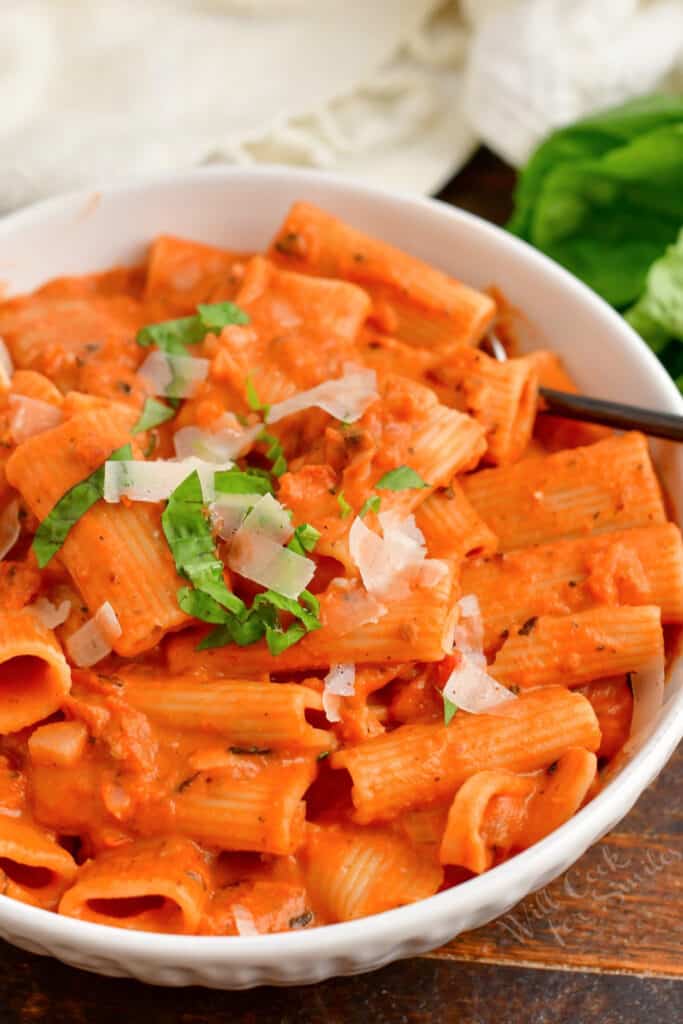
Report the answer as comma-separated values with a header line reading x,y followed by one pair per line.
x,y
610,485
420,764
153,885
33,867
34,674
569,650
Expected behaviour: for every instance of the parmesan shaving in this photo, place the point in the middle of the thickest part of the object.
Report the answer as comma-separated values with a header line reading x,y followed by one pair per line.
x,y
396,561
471,688
10,527
469,632
229,511
244,920
173,376
221,446
269,518
340,682
51,615
6,367
346,398
156,481
30,416
262,560
93,641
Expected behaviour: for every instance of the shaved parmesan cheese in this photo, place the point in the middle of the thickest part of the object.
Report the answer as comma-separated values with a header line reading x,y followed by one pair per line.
x,y
262,560
244,920
222,446
471,688
10,528
648,696
30,416
173,376
6,366
269,518
469,632
229,511
156,481
51,615
340,682
395,561
93,641
346,398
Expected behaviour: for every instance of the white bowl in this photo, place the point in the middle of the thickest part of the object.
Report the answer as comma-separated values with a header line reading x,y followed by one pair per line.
x,y
240,209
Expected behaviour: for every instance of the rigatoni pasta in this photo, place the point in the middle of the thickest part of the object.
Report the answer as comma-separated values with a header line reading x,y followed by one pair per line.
x,y
305,611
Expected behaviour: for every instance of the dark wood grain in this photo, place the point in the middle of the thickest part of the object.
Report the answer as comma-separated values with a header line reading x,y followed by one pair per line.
x,y
414,992
601,945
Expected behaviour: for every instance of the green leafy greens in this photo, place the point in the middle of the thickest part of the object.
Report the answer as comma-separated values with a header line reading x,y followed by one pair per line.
x,y
153,413
274,452
449,710
189,537
604,197
174,336
344,507
371,504
403,478
56,526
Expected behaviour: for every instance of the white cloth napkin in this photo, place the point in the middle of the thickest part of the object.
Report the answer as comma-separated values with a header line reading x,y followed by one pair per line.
x,y
535,65
396,92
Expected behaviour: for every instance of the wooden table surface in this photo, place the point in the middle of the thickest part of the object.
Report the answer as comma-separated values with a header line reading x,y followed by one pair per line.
x,y
601,944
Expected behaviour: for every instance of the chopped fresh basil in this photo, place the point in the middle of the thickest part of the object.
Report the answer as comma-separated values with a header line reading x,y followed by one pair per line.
x,y
253,400
344,507
238,481
201,606
217,315
306,609
174,336
263,619
274,452
279,640
403,478
189,538
304,540
370,504
55,528
153,413
449,709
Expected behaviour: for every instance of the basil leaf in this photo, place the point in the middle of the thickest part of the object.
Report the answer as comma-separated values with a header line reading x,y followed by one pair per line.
x,y
191,542
241,631
217,315
262,618
253,400
55,528
201,605
274,452
153,413
238,481
370,504
449,709
304,540
279,640
403,478
344,507
172,336
267,602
